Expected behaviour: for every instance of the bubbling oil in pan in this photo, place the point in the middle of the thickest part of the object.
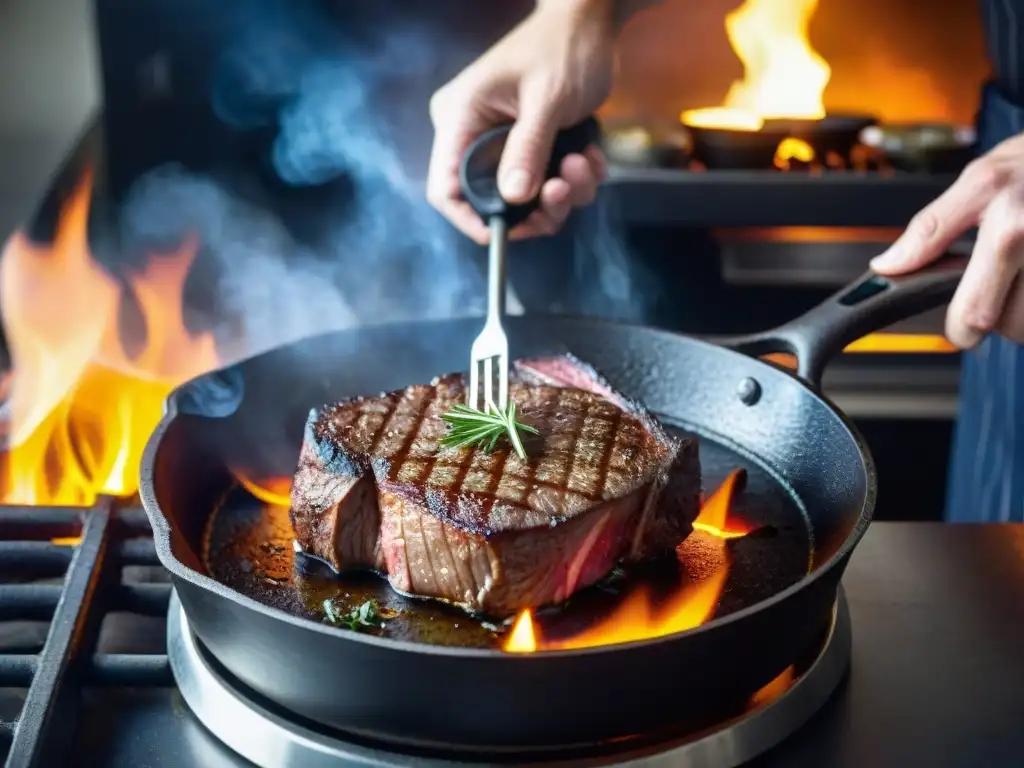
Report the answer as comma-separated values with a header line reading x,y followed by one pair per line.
x,y
248,547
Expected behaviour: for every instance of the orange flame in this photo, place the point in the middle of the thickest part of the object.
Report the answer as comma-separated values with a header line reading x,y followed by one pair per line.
x,y
636,618
722,117
523,637
80,408
882,343
714,518
276,491
901,342
783,76
774,690
793,149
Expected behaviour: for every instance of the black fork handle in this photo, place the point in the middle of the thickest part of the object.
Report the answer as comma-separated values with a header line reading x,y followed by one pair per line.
x,y
478,171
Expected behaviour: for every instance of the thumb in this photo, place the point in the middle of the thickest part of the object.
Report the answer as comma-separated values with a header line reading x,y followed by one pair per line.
x,y
528,148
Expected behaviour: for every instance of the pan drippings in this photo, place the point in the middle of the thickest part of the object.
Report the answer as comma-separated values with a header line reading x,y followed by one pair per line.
x,y
249,547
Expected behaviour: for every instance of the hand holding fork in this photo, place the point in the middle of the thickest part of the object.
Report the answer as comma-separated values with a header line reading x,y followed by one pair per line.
x,y
478,176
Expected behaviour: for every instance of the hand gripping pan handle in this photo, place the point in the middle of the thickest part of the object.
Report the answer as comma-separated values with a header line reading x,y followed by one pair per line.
x,y
868,304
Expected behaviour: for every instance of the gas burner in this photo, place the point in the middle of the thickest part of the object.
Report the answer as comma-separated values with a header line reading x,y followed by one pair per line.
x,y
836,143
922,147
832,143
270,737
654,144
826,142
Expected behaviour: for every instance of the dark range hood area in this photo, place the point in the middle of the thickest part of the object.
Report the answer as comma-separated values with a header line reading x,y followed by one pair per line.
x,y
144,190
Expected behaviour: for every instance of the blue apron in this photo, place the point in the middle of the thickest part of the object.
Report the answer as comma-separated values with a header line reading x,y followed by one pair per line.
x,y
986,479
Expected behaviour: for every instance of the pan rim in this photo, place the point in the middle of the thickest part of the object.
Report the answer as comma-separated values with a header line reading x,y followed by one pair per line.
x,y
162,528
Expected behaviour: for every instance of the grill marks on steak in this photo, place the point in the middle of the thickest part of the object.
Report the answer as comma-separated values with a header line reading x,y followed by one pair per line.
x,y
603,482
589,451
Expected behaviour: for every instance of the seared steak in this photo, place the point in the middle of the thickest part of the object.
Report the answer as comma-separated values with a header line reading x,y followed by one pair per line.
x,y
603,483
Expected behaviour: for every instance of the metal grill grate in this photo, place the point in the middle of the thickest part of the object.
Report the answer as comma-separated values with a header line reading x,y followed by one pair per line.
x,y
45,576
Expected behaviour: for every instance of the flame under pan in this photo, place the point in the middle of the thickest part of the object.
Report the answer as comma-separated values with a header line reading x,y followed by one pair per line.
x,y
248,548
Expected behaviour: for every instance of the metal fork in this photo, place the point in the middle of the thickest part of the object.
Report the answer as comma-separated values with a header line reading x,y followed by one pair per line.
x,y
478,176
489,354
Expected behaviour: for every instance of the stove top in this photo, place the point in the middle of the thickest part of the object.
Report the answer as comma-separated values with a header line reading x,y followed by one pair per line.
x,y
270,738
937,674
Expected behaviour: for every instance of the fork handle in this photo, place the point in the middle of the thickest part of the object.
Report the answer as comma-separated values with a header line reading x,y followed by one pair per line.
x,y
478,171
496,276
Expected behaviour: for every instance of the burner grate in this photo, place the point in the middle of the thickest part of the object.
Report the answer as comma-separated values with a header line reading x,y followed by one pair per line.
x,y
71,568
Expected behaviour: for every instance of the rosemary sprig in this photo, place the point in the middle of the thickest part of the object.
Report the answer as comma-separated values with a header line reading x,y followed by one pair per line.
x,y
468,426
360,618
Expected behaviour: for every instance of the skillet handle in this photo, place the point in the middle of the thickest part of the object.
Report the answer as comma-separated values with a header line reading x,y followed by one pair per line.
x,y
868,304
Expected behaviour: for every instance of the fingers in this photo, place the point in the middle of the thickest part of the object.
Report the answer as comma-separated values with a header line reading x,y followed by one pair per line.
x,y
443,182
527,149
598,162
1011,324
939,224
576,187
582,179
454,130
528,146
555,207
462,215
980,302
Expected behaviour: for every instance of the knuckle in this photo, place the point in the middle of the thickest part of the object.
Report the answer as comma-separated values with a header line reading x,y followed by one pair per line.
x,y
435,191
526,143
1006,216
440,103
1010,202
557,214
1008,243
925,225
549,86
978,314
960,332
550,94
986,176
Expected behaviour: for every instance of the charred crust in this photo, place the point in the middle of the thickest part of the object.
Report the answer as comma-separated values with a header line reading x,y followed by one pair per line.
x,y
627,404
320,435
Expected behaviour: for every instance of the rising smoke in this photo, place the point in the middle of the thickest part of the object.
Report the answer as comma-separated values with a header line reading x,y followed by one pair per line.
x,y
387,256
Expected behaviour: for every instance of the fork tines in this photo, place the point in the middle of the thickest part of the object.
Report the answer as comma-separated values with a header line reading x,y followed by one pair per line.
x,y
489,363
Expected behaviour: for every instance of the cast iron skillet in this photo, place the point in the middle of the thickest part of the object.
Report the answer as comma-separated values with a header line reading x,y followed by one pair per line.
x,y
251,415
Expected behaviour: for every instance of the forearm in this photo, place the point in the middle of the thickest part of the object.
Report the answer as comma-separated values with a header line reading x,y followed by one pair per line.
x,y
615,12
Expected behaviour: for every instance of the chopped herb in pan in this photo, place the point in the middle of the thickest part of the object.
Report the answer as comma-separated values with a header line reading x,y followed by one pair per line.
x,y
359,619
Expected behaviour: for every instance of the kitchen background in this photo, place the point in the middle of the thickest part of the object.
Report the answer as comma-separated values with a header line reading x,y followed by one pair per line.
x,y
186,229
